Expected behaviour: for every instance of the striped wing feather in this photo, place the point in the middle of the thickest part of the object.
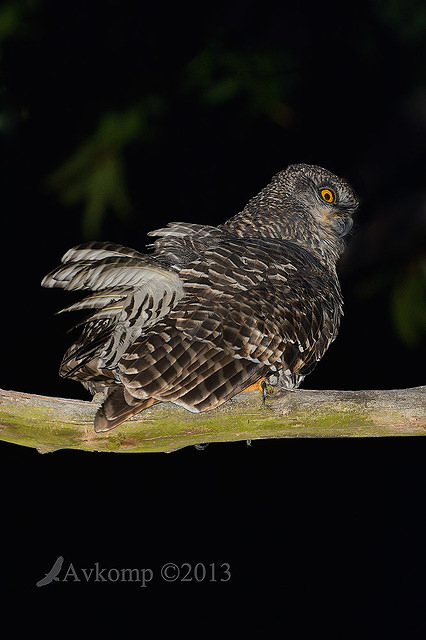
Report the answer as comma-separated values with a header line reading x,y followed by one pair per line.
x,y
240,318
130,292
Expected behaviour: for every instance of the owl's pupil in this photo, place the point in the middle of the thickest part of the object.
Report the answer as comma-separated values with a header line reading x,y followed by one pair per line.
x,y
327,195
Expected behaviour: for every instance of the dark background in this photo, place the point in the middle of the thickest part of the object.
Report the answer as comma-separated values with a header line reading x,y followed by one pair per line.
x,y
117,118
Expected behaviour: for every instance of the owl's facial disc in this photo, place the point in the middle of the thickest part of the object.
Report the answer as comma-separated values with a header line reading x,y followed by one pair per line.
x,y
333,209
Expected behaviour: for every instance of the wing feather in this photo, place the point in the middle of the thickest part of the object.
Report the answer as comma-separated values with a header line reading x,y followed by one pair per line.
x,y
130,291
203,317
239,319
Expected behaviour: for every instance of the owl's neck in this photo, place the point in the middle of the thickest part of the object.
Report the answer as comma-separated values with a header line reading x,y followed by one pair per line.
x,y
265,217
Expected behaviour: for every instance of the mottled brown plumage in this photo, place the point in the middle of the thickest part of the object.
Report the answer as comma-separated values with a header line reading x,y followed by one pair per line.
x,y
211,310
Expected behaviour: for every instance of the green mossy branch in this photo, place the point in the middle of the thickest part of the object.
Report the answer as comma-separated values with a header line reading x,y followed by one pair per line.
x,y
50,424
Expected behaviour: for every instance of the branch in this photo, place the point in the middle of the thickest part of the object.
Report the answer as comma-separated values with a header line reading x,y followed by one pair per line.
x,y
49,424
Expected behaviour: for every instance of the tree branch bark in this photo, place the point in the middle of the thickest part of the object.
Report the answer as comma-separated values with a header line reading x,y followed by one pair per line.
x,y
49,424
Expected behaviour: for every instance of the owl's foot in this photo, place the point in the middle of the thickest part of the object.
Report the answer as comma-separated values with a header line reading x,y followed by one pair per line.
x,y
278,382
257,386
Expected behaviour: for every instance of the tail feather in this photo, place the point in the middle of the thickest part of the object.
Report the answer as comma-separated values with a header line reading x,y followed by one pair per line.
x,y
87,346
116,409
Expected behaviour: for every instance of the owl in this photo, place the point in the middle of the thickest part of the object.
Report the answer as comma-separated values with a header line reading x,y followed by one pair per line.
x,y
207,311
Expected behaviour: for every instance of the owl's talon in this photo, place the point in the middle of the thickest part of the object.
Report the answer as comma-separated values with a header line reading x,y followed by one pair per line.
x,y
264,391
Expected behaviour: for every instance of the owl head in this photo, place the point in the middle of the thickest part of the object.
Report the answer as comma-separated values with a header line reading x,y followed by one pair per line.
x,y
330,199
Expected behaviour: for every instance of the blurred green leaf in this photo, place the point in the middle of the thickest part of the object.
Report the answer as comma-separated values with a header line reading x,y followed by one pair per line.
x,y
262,79
94,175
15,18
10,21
406,18
222,91
408,304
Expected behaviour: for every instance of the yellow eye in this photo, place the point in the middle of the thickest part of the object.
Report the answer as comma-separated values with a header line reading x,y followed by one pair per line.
x,y
328,195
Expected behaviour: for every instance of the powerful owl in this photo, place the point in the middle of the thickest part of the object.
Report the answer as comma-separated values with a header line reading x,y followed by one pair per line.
x,y
208,311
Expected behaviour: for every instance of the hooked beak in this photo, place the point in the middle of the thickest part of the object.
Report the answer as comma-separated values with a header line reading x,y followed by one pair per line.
x,y
342,225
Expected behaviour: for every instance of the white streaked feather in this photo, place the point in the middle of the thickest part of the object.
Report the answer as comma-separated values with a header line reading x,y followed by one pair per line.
x,y
96,277
181,229
94,302
131,292
99,251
